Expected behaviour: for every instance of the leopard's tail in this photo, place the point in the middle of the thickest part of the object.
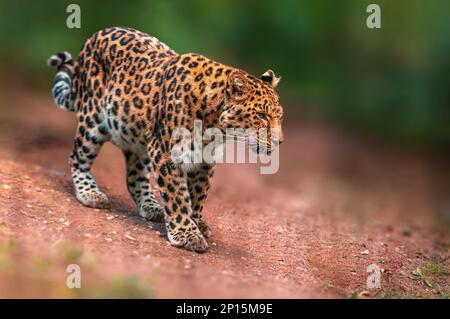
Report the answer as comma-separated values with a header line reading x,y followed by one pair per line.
x,y
62,89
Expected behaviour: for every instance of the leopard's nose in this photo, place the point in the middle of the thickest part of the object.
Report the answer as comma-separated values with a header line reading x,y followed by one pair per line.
x,y
277,132
279,139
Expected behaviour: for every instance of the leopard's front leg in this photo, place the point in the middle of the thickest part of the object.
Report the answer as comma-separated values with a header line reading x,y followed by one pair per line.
x,y
182,230
199,184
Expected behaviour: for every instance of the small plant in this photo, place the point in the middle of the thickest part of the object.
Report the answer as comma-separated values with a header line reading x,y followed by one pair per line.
x,y
418,274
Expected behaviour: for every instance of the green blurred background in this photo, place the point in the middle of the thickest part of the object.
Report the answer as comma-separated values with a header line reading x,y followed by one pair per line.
x,y
391,83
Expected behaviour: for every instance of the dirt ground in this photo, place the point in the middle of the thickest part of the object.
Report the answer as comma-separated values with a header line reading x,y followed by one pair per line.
x,y
335,207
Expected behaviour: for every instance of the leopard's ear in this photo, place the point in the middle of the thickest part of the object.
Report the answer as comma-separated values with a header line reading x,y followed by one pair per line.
x,y
237,85
270,77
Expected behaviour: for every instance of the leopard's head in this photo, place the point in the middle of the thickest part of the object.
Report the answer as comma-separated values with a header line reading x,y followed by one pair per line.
x,y
252,104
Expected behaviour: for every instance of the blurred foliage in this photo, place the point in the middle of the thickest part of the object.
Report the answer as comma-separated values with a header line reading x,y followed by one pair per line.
x,y
392,82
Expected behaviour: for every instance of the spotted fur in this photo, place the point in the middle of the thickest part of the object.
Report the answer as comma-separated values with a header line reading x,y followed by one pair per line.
x,y
62,85
132,90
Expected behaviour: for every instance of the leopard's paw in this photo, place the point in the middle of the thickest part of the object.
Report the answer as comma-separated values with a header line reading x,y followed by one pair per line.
x,y
153,212
191,239
204,229
93,198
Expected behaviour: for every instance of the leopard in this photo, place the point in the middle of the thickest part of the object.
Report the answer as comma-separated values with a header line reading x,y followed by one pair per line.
x,y
132,90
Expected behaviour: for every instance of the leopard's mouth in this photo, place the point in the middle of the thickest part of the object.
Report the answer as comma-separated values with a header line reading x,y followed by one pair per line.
x,y
257,146
260,148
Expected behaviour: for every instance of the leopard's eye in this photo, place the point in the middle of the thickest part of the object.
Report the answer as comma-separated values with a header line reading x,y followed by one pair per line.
x,y
261,115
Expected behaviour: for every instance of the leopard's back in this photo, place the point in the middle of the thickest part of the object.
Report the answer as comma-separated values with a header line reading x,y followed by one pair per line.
x,y
116,83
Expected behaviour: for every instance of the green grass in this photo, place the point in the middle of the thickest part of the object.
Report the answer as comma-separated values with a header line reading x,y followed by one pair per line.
x,y
45,275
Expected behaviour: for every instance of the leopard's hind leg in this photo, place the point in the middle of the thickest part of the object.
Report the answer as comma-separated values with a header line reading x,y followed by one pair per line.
x,y
138,182
87,144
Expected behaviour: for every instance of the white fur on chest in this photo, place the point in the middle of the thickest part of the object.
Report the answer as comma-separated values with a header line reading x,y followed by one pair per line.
x,y
190,167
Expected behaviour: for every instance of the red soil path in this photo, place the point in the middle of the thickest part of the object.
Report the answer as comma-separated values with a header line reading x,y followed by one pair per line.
x,y
335,207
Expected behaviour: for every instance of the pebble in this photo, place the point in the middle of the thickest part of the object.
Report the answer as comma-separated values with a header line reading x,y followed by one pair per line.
x,y
280,229
363,294
129,237
406,231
